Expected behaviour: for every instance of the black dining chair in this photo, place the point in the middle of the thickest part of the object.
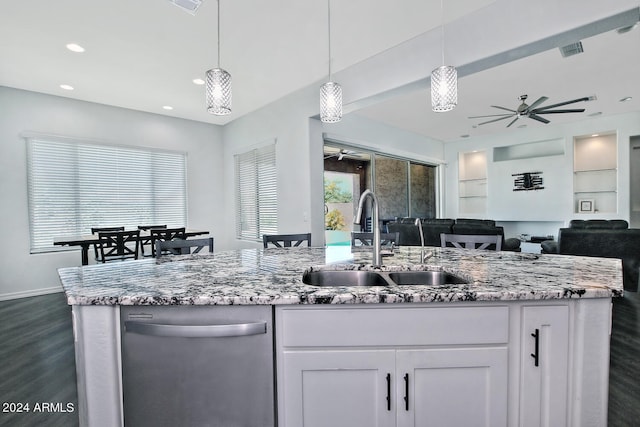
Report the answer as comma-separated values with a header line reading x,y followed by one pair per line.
x,y
166,234
183,247
471,241
286,240
96,230
146,239
118,245
361,238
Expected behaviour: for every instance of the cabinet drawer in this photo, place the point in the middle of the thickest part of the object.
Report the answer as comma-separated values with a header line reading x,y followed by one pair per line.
x,y
310,327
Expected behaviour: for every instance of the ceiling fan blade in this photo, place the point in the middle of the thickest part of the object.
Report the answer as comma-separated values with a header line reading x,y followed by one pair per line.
x,y
586,98
490,115
538,118
573,110
538,102
503,108
495,120
513,121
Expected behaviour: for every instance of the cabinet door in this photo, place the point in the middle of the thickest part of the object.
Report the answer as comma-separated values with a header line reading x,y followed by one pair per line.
x,y
543,388
338,388
452,387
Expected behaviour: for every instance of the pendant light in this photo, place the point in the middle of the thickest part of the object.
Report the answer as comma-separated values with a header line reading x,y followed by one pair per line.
x,y
444,81
330,92
218,85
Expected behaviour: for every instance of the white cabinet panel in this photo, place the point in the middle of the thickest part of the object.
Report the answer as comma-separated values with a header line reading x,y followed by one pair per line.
x,y
452,387
543,379
338,388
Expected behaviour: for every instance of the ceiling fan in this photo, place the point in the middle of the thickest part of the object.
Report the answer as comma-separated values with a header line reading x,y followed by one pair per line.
x,y
533,111
341,154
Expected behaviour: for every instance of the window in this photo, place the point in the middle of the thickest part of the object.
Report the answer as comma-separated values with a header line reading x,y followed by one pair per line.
x,y
75,185
256,195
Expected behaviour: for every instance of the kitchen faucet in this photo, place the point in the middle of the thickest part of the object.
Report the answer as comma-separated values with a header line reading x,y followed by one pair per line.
x,y
423,256
377,256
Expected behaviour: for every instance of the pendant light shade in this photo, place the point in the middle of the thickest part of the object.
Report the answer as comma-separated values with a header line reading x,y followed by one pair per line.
x,y
218,85
444,80
330,92
444,88
330,102
218,92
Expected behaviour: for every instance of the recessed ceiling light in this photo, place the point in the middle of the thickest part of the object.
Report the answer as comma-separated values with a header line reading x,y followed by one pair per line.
x,y
168,107
66,87
626,98
522,126
75,48
198,81
597,113
595,134
466,135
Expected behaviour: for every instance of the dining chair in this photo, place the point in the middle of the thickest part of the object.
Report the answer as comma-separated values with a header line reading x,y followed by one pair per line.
x,y
146,240
471,241
117,245
361,238
166,234
96,230
286,240
183,247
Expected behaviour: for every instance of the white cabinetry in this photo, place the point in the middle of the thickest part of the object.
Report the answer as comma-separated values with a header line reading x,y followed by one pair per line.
x,y
452,387
385,366
544,366
337,388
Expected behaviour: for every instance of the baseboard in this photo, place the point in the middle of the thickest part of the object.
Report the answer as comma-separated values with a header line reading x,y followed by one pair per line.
x,y
31,293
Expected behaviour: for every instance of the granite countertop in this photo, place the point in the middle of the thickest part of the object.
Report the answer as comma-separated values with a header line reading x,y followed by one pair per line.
x,y
274,276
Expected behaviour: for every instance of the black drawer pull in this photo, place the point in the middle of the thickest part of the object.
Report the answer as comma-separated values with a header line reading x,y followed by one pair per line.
x,y
406,392
536,352
388,392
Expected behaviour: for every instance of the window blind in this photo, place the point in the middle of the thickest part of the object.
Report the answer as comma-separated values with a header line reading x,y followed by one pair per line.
x,y
256,193
74,186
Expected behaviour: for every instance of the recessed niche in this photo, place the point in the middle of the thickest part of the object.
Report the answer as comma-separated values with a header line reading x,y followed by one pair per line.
x,y
529,150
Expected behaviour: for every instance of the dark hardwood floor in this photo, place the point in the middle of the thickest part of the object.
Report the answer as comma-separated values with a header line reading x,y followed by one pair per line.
x,y
624,374
37,362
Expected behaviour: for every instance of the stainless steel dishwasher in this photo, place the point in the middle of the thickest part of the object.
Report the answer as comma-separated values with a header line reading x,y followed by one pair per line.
x,y
198,366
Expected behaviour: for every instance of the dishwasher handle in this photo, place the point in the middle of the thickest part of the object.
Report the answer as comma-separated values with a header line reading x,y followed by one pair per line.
x,y
196,331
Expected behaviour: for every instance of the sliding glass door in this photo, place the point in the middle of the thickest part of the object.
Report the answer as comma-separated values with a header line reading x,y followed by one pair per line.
x,y
404,188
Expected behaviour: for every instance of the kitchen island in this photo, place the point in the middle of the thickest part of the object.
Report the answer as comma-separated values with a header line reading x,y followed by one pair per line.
x,y
514,306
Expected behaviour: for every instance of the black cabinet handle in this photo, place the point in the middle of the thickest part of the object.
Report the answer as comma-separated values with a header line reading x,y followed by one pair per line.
x,y
406,392
388,392
536,352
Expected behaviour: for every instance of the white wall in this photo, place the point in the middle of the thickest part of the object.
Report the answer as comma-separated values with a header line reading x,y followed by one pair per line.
x,y
555,203
24,274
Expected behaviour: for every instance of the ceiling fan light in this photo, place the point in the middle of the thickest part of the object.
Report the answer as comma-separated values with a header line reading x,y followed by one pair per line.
x,y
330,102
218,92
444,88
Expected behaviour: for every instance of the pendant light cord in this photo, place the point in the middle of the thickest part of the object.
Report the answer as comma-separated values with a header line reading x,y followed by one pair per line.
x,y
218,1
442,27
329,33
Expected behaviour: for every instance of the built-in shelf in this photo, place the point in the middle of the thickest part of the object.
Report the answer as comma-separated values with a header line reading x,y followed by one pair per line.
x,y
595,175
472,183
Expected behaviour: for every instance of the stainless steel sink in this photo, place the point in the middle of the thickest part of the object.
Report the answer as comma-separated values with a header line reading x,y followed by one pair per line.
x,y
343,278
426,278
380,278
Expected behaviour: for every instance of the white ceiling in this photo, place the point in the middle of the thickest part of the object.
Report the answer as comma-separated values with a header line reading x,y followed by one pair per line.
x,y
144,54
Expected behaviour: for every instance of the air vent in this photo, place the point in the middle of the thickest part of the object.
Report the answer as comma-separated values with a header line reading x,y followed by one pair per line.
x,y
571,49
190,6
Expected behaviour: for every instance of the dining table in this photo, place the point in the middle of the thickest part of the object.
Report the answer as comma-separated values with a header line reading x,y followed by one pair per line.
x,y
86,240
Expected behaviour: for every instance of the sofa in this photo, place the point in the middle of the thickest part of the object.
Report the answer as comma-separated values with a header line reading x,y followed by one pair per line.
x,y
602,238
409,234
